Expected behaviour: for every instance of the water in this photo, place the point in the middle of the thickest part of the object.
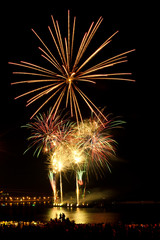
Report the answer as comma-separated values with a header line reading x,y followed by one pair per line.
x,y
41,213
125,214
87,215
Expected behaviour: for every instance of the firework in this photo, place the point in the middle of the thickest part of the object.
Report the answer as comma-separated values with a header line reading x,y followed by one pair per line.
x,y
78,159
60,161
45,132
50,134
93,147
79,182
77,189
95,139
61,81
52,179
67,157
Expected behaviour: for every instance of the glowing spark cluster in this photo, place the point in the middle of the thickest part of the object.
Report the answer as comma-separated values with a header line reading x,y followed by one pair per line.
x,y
88,145
61,81
59,160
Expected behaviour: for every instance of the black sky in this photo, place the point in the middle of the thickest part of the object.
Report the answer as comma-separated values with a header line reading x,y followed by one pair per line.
x,y
136,173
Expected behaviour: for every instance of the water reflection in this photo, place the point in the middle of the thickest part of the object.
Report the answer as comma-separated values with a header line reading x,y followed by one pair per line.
x,y
84,215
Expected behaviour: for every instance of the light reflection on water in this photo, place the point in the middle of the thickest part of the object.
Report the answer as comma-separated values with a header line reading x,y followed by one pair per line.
x,y
84,215
142,213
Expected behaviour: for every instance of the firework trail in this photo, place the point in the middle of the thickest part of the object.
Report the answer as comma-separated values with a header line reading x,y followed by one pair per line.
x,y
79,182
61,81
52,179
78,160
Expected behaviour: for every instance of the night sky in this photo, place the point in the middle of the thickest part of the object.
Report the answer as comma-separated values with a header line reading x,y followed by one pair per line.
x,y
135,174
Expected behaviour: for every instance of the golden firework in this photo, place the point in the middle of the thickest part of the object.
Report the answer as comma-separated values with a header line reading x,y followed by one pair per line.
x,y
67,71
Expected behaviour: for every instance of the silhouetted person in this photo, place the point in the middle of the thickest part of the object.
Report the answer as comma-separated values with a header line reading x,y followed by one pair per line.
x,y
63,217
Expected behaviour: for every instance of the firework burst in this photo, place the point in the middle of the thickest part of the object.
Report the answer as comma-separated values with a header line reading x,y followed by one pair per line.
x,y
60,159
61,81
43,132
47,131
96,139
